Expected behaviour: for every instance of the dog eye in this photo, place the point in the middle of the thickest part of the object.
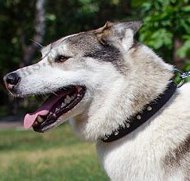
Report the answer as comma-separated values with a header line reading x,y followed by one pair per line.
x,y
61,58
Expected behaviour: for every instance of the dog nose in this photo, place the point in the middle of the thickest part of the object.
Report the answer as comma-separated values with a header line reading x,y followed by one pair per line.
x,y
11,80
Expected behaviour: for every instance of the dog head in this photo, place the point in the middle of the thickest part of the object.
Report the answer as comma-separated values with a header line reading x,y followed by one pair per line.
x,y
77,71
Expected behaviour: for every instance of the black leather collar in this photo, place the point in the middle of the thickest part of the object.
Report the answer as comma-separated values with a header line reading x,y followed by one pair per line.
x,y
140,118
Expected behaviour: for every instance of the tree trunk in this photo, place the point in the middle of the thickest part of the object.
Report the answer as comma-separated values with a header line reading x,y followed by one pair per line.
x,y
29,50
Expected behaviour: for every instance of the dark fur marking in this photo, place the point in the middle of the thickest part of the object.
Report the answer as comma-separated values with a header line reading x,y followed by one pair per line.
x,y
174,157
106,53
91,47
87,44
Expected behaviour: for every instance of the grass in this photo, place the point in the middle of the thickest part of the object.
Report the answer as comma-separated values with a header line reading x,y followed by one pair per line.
x,y
53,156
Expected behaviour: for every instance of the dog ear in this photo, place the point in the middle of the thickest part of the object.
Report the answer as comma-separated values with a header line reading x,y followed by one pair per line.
x,y
104,32
122,32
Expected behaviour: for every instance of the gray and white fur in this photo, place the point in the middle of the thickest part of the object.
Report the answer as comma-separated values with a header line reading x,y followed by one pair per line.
x,y
121,76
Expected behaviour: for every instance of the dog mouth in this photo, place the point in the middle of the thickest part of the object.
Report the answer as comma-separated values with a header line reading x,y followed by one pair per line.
x,y
57,104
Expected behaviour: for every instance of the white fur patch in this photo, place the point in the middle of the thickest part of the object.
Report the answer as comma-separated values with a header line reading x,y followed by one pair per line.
x,y
128,40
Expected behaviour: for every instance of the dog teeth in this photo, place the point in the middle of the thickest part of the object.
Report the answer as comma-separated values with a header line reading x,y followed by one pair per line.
x,y
40,119
50,114
35,123
54,115
63,105
67,100
72,97
56,110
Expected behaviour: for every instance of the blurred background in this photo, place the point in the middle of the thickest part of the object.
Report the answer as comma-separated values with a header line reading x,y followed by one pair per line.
x,y
59,155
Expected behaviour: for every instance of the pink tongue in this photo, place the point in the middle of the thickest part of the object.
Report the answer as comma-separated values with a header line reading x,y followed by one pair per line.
x,y
30,118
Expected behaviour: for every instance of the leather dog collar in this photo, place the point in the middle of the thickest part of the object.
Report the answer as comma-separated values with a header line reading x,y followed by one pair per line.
x,y
137,120
150,109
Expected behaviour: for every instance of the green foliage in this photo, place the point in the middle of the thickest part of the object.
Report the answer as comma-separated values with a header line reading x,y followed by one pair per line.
x,y
184,51
165,22
66,17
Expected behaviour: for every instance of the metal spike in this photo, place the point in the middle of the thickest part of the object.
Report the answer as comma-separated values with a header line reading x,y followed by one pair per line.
x,y
127,125
116,133
138,117
149,108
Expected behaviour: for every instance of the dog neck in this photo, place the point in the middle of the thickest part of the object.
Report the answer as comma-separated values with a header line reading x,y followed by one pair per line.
x,y
147,77
140,118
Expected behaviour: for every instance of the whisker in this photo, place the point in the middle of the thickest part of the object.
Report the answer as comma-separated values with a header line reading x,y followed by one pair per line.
x,y
55,93
37,43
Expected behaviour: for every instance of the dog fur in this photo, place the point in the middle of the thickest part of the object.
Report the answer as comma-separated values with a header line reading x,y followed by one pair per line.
x,y
121,77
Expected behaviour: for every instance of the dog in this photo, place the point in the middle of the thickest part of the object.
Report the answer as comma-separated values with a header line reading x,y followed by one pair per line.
x,y
103,77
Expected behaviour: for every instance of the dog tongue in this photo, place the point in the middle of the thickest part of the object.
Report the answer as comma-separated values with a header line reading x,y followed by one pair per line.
x,y
30,118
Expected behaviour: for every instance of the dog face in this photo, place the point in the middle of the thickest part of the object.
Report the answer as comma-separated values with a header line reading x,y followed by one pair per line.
x,y
74,70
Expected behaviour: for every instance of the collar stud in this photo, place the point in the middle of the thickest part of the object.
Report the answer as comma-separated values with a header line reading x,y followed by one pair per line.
x,y
149,108
137,120
116,133
139,117
127,125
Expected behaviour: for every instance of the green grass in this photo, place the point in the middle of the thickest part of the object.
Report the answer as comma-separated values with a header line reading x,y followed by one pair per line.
x,y
53,156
